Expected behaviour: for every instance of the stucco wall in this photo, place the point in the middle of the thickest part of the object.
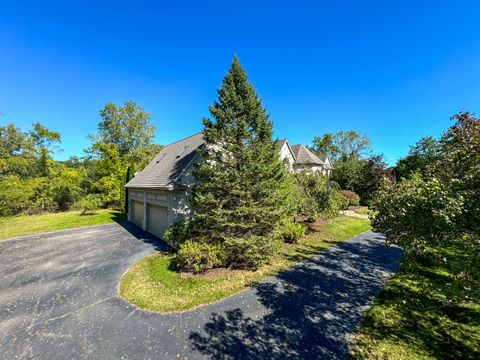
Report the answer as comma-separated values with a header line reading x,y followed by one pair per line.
x,y
286,155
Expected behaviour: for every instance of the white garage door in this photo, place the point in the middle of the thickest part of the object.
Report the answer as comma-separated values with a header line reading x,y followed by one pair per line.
x,y
157,219
137,212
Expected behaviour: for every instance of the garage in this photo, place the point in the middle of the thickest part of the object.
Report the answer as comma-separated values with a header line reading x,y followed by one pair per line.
x,y
157,219
137,212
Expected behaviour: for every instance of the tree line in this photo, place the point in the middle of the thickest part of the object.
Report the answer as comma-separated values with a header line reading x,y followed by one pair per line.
x,y
31,181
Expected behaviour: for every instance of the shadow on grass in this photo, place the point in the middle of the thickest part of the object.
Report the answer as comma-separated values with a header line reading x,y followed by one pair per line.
x,y
307,311
118,216
428,311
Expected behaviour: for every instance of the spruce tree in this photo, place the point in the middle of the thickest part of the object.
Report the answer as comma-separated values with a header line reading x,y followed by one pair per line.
x,y
238,199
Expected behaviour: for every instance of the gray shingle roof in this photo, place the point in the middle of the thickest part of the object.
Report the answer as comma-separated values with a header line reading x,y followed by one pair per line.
x,y
322,157
164,171
280,143
305,156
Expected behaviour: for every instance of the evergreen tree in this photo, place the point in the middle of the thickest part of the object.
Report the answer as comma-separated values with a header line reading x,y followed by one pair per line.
x,y
128,176
238,200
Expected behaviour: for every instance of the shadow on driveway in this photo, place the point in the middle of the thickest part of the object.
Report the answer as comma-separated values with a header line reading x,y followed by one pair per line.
x,y
312,308
148,238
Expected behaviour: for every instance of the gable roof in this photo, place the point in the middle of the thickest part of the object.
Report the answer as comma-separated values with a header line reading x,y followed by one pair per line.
x,y
324,158
282,142
305,156
164,171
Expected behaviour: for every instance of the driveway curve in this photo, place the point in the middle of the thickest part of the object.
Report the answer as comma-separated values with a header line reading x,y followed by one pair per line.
x,y
58,300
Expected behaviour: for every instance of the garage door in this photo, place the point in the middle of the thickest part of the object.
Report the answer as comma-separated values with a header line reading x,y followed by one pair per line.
x,y
157,219
137,212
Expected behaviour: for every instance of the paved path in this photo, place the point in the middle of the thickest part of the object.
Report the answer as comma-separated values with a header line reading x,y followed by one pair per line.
x,y
58,301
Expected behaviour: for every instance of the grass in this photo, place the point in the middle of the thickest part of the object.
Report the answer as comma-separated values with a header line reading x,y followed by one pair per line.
x,y
364,210
426,311
13,226
154,284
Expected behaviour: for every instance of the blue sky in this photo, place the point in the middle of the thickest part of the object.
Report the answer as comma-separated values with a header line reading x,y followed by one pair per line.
x,y
394,70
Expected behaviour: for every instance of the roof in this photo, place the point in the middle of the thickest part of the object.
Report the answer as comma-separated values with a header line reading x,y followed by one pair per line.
x,y
305,156
322,157
280,143
164,171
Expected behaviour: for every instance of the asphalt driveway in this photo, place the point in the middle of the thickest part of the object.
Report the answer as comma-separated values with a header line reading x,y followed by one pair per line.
x,y
58,300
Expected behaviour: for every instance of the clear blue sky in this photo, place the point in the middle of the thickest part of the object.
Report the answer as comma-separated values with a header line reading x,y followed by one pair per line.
x,y
395,70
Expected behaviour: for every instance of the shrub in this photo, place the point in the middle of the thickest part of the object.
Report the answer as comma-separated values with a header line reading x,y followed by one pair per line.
x,y
88,203
15,195
251,252
352,197
178,233
197,257
291,231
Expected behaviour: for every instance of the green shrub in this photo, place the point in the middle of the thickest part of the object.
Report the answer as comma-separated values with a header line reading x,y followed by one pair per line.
x,y
352,197
19,195
178,233
197,257
250,253
291,231
88,203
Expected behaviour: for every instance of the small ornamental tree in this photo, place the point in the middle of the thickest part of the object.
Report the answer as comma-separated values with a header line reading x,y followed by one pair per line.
x,y
239,199
439,208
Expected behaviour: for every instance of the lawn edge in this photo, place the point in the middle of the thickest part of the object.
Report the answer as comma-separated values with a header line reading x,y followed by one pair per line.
x,y
40,234
196,307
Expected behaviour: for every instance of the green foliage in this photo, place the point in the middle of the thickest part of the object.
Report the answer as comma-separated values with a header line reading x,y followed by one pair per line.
x,y
307,201
430,211
178,233
16,195
65,186
342,146
351,196
130,173
39,183
197,257
250,253
88,203
414,212
124,138
126,126
363,176
424,153
291,231
349,174
241,184
320,198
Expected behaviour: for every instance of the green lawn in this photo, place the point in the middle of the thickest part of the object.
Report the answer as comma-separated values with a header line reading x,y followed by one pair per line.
x,y
425,312
154,284
32,224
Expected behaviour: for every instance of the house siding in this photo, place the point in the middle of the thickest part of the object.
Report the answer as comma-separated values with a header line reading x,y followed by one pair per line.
x,y
286,155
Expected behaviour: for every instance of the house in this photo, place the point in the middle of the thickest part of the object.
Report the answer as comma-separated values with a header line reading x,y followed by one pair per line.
x,y
159,195
305,160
